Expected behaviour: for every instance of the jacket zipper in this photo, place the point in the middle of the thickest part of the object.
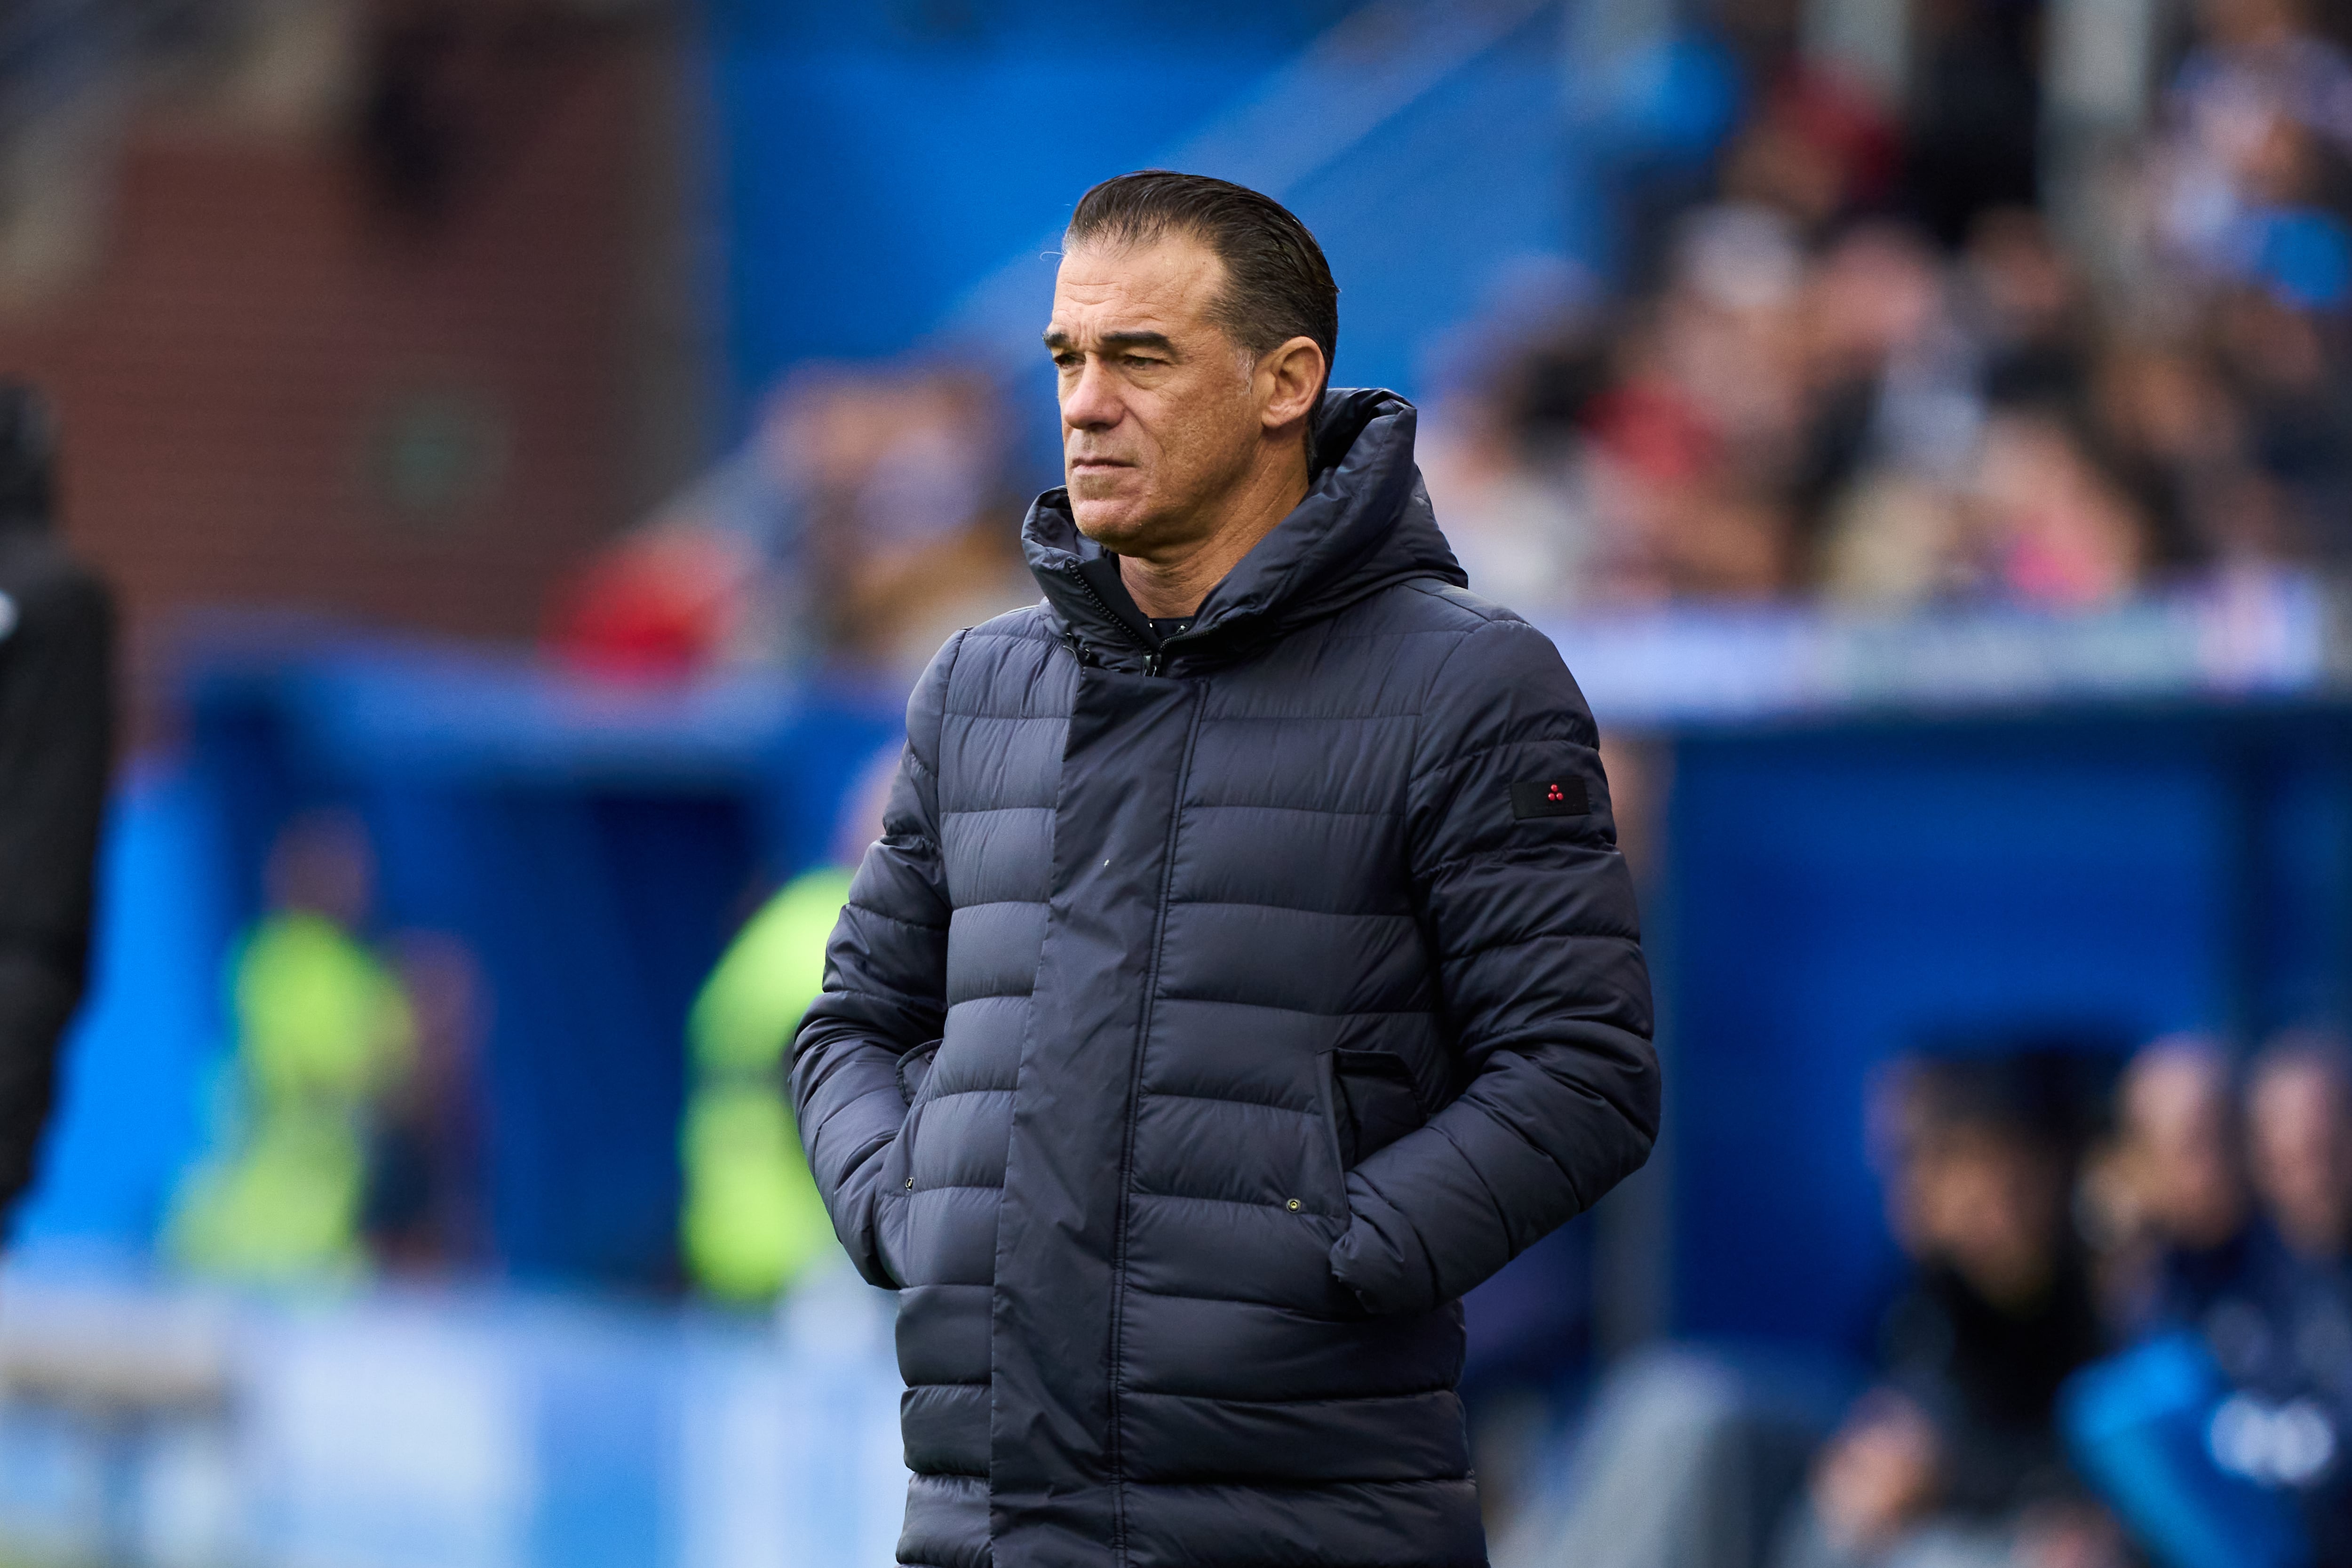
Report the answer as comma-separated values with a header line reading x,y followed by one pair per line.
x,y
1152,658
1127,1143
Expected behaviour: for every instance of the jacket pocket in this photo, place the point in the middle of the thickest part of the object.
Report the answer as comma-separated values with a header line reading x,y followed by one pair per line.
x,y
914,1070
898,1162
1333,1104
1376,1103
914,1084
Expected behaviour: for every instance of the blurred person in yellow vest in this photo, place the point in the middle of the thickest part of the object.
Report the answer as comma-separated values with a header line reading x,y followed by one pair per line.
x,y
324,1032
752,1222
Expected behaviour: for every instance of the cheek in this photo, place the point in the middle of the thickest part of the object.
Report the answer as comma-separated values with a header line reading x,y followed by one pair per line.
x,y
1166,443
1208,434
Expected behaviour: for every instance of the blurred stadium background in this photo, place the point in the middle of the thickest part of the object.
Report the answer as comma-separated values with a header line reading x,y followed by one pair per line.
x,y
535,442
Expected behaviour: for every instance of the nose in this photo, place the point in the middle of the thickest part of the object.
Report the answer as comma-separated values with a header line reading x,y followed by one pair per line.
x,y
1090,400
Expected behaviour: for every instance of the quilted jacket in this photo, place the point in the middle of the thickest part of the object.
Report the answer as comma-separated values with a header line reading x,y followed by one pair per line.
x,y
1210,1017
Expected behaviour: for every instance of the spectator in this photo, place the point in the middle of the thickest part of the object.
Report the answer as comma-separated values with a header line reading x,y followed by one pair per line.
x,y
1972,143
752,1222
2026,306
2169,1199
1818,149
1953,1457
2180,438
2056,528
1522,529
324,1032
424,1210
2285,1345
1698,1456
862,523
2233,1408
2299,1143
1802,393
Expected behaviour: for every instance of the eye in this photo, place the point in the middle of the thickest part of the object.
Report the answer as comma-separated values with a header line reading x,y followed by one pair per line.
x,y
1145,360
1068,358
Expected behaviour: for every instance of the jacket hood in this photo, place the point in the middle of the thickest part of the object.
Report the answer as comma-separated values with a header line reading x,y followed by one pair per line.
x,y
1366,524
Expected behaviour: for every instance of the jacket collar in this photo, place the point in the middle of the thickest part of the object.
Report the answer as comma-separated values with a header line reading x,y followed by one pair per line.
x,y
1366,524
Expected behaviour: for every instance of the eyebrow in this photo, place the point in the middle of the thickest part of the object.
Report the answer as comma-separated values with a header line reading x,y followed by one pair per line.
x,y
1057,339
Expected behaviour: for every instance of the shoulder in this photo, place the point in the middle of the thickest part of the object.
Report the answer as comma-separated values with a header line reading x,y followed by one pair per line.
x,y
1425,635
1029,624
1457,609
992,641
1015,645
1434,610
1478,668
1453,630
1013,666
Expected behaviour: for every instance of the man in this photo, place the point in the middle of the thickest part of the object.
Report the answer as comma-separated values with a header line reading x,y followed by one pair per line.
x,y
2284,1340
56,734
1954,1455
1247,969
2299,1144
2173,1194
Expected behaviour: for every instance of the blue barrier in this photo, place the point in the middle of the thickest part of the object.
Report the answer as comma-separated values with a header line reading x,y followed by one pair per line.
x,y
1841,890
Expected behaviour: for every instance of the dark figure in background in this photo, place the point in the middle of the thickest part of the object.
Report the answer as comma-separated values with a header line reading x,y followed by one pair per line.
x,y
1975,119
2285,1342
57,706
1957,1438
2169,1199
1740,1454
2226,1201
1247,969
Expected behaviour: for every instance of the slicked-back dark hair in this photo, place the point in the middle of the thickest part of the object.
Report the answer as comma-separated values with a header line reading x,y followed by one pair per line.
x,y
1277,285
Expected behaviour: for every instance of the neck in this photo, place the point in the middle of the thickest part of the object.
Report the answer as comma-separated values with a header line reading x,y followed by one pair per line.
x,y
1172,584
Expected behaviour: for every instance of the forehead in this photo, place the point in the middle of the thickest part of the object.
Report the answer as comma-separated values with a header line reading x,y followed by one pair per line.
x,y
2176,1088
1167,285
2298,1084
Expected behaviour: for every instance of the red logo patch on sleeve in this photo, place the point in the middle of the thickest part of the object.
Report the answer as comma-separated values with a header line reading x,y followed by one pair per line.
x,y
1549,797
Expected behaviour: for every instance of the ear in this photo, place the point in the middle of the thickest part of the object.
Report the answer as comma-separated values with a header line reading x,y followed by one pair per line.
x,y
1288,380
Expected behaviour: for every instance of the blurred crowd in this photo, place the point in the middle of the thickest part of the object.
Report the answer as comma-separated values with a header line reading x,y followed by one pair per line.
x,y
870,516
2125,1328
1866,362
1857,348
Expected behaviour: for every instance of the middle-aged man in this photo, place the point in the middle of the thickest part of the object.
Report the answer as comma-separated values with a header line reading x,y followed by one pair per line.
x,y
1247,969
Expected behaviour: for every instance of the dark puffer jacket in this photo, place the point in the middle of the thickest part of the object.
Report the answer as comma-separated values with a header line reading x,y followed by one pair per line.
x,y
1208,1021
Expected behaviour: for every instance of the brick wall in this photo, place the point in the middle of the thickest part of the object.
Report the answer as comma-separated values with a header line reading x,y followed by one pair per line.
x,y
279,392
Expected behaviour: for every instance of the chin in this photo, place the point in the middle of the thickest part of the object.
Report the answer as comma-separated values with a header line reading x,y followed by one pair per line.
x,y
1110,523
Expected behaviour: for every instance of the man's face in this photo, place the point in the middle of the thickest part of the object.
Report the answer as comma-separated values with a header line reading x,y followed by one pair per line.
x,y
1987,1202
2176,1116
1160,410
2296,1113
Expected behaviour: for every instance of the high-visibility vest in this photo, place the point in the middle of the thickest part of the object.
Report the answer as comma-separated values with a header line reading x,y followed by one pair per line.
x,y
751,1220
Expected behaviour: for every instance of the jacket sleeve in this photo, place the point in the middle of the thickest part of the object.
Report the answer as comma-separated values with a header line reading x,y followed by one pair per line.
x,y
1544,995
885,991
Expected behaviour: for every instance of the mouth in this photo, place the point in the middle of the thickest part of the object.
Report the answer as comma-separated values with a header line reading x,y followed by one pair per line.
x,y
1076,463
